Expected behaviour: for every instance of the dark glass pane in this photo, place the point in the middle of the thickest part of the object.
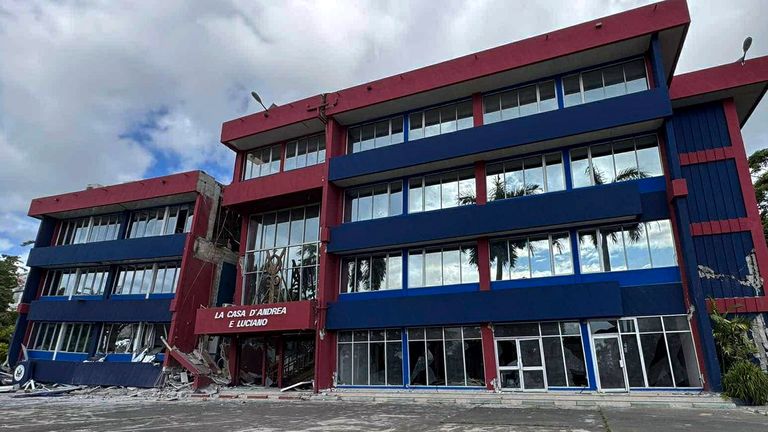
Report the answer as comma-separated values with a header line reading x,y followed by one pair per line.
x,y
473,359
550,329
602,327
378,273
416,333
530,353
656,361
394,363
491,109
547,99
533,379
676,323
614,81
608,355
528,100
510,379
454,362
593,86
417,363
435,363
395,199
516,330
553,359
576,369
572,90
635,74
360,376
452,333
345,364
684,363
397,130
506,352
376,335
632,360
499,260
652,324
377,366
471,333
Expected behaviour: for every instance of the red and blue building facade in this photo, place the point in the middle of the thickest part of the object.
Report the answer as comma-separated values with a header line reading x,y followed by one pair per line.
x,y
114,270
558,213
412,292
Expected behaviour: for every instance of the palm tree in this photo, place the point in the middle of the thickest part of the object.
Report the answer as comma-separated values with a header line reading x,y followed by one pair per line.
x,y
498,250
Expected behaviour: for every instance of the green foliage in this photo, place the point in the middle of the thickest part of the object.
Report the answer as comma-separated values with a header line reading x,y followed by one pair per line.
x,y
733,344
758,167
746,381
9,267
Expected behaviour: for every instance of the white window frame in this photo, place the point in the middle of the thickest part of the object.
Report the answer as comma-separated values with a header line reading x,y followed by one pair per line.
x,y
154,268
498,94
580,74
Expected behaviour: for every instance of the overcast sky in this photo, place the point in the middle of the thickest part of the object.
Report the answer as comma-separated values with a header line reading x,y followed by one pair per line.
x,y
106,92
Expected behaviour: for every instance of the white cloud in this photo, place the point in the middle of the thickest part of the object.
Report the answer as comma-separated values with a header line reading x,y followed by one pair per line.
x,y
79,78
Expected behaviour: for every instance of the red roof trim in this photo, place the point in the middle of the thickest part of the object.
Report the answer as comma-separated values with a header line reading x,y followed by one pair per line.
x,y
116,194
622,26
719,78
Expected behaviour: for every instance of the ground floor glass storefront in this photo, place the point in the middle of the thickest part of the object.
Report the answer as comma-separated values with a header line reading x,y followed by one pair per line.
x,y
605,355
276,361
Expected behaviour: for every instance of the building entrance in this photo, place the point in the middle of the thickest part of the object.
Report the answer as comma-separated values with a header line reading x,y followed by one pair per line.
x,y
277,361
521,364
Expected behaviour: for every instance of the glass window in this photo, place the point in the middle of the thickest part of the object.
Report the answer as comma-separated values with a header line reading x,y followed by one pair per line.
x,y
301,153
168,220
374,135
373,202
450,356
528,176
632,246
287,247
436,121
146,279
622,160
261,162
531,257
606,82
370,358
371,273
519,102
442,266
572,90
441,191
88,230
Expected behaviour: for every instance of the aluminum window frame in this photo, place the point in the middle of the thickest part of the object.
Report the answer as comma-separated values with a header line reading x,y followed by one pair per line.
x,y
359,129
612,143
581,73
422,251
120,281
371,188
503,164
598,233
352,342
549,235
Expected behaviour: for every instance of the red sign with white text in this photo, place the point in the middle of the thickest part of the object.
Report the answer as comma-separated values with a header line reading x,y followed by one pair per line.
x,y
297,315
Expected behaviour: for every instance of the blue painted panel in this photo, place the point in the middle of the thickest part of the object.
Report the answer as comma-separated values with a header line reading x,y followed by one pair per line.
x,y
701,127
226,291
71,357
608,113
149,248
663,275
579,206
714,191
556,302
42,355
725,255
660,299
97,373
151,310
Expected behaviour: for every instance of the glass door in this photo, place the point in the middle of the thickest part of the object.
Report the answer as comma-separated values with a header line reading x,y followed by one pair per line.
x,y
610,363
521,364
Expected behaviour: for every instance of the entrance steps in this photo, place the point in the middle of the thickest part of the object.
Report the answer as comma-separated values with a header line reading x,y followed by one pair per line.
x,y
571,400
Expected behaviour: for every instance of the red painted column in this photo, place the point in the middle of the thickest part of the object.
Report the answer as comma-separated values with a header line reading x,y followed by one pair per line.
x,y
489,355
237,175
328,281
234,360
747,189
477,109
239,282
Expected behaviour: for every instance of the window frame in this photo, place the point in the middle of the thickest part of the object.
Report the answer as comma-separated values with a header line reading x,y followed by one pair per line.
x,y
62,330
611,143
371,188
68,226
423,251
425,339
581,73
543,156
350,143
517,88
552,265
439,108
352,342
441,175
598,230
283,166
51,278
136,218
119,281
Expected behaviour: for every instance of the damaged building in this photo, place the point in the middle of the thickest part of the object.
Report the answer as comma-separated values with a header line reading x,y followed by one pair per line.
x,y
554,214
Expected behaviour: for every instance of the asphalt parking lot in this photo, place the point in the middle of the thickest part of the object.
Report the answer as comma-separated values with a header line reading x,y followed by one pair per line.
x,y
103,414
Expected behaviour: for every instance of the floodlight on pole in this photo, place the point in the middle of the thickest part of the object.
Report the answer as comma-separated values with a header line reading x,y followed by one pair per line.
x,y
745,47
258,99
